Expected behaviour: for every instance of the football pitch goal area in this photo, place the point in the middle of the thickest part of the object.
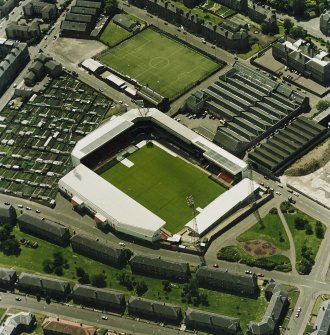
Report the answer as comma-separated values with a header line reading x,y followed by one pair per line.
x,y
162,182
163,64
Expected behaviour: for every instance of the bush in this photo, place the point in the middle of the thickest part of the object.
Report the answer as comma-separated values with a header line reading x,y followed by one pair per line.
x,y
273,211
319,231
141,288
300,223
99,280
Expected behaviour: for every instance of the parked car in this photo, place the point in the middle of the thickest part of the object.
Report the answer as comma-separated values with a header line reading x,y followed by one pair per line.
x,y
248,272
28,208
20,206
104,317
18,299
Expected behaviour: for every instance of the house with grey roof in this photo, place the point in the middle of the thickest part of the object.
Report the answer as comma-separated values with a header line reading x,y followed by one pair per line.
x,y
8,278
45,286
274,313
300,55
223,280
83,10
98,249
53,68
45,10
13,58
7,6
44,228
261,13
159,267
126,23
322,323
22,33
18,323
154,310
74,29
325,23
107,300
7,214
211,322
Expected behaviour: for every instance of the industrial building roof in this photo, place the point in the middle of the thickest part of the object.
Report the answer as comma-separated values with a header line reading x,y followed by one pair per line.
x,y
107,199
217,209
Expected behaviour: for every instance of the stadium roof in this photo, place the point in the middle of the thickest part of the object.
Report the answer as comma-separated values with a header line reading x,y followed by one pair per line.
x,y
92,65
218,208
126,213
119,124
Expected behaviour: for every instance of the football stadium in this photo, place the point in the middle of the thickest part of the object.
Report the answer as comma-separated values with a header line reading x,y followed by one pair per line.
x,y
139,173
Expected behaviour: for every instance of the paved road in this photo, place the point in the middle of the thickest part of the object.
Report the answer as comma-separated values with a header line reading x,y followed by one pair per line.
x,y
75,313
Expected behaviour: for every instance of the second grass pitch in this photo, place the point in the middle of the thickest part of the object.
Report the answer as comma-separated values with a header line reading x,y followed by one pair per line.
x,y
161,183
165,65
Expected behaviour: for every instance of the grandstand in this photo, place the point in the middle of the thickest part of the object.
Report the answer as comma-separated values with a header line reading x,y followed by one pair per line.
x,y
120,138
287,145
251,105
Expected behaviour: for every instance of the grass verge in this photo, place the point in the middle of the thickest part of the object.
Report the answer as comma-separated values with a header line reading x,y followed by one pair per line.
x,y
270,229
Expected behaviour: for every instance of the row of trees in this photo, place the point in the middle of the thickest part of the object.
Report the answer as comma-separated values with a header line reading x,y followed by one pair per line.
x,y
56,264
128,281
293,31
303,224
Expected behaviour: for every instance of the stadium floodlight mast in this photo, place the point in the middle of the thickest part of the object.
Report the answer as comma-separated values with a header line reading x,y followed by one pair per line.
x,y
193,233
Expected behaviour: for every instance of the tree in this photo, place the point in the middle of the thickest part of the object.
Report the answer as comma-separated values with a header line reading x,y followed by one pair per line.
x,y
111,7
10,246
58,270
309,229
265,28
322,105
319,232
298,32
300,223
141,288
126,280
84,279
80,272
166,285
287,24
298,8
99,280
204,299
48,266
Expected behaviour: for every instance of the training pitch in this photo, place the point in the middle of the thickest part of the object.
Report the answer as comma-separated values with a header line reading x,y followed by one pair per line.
x,y
165,65
161,183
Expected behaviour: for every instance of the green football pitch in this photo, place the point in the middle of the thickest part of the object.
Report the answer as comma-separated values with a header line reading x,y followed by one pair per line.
x,y
161,183
166,66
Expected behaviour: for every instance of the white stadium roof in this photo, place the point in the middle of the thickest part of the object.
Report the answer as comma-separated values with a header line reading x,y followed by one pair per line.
x,y
91,64
121,210
123,122
218,208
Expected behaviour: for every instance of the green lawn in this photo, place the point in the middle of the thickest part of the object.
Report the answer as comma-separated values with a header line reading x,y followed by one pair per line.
x,y
162,182
270,229
113,34
300,237
165,65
